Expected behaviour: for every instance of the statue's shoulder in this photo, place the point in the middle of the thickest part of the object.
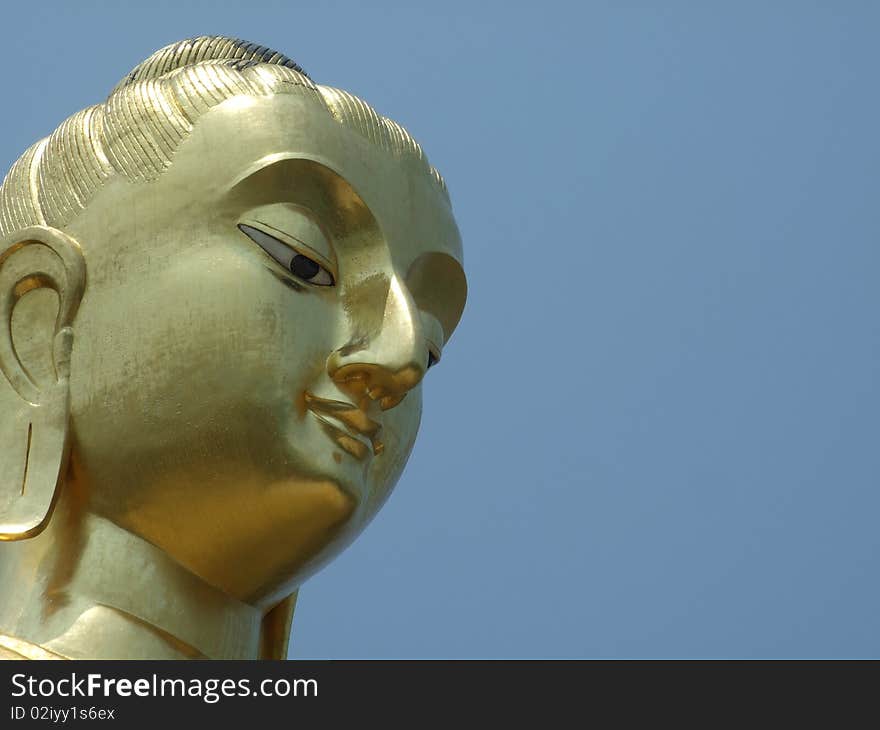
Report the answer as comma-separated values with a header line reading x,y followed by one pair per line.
x,y
12,648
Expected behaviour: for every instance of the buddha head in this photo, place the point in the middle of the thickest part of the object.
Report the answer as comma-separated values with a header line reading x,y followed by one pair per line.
x,y
221,291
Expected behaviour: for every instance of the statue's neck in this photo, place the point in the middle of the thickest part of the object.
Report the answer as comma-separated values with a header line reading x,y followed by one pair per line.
x,y
85,588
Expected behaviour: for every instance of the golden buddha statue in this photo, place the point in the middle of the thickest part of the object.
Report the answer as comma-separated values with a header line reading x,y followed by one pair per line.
x,y
219,292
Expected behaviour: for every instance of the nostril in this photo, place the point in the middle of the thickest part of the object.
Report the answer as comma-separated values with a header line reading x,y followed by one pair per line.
x,y
367,380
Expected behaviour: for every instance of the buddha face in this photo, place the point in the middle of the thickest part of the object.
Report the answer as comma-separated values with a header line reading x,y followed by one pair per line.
x,y
257,325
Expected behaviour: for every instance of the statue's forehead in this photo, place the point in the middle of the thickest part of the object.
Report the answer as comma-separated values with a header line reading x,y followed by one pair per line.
x,y
233,142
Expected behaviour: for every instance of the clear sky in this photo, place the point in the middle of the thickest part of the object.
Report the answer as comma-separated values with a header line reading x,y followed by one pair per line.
x,y
655,433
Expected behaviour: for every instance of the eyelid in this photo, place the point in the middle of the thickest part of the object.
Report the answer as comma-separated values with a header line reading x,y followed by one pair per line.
x,y
433,333
293,242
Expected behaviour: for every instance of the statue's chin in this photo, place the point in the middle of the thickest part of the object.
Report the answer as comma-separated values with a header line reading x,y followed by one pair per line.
x,y
313,530
253,547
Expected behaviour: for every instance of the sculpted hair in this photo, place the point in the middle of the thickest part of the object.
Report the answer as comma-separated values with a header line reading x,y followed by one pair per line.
x,y
152,110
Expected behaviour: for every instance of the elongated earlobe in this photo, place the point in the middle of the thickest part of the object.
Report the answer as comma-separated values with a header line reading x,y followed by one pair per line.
x,y
34,412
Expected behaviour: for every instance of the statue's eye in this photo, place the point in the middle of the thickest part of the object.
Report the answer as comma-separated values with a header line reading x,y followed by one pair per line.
x,y
301,265
432,359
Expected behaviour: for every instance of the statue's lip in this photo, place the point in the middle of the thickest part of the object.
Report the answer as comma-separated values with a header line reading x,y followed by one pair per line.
x,y
352,429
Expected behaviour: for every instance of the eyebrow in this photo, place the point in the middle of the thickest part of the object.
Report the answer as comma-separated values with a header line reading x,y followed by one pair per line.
x,y
308,184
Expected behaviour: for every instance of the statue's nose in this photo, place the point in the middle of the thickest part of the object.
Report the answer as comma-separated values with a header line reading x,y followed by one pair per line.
x,y
388,364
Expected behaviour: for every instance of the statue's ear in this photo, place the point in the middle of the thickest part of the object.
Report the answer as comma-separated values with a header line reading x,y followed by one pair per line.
x,y
35,349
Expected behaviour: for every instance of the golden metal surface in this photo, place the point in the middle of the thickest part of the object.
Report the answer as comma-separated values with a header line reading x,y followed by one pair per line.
x,y
220,291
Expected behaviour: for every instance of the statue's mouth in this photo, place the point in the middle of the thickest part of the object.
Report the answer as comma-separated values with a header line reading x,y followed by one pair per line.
x,y
347,425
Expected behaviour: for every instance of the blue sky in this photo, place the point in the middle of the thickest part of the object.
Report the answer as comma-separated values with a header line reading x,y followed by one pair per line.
x,y
655,432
